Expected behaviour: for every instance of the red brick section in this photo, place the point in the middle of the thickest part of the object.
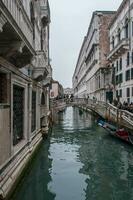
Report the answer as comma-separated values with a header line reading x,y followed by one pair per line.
x,y
104,41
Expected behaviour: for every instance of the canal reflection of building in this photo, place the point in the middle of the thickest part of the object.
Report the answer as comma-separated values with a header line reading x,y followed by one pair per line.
x,y
73,125
106,162
108,166
35,184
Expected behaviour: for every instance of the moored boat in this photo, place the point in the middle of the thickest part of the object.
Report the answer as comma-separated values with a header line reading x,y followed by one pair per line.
x,y
116,132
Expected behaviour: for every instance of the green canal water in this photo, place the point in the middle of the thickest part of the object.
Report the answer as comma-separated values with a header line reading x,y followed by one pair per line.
x,y
79,161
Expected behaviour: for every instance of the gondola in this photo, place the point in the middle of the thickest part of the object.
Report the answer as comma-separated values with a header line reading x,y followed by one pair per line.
x,y
116,132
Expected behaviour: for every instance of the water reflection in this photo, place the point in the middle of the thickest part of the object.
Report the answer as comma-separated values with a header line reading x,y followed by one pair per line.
x,y
34,185
80,162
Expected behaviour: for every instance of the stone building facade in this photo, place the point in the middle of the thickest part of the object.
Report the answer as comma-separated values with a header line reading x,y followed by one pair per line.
x,y
121,51
56,90
25,76
68,91
91,74
79,76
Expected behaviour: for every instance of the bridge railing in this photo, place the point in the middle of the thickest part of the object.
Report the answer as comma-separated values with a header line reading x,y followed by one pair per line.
x,y
127,116
120,115
57,104
79,101
103,108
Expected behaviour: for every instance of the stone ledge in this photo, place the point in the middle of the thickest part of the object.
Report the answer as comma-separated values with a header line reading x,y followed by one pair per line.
x,y
8,183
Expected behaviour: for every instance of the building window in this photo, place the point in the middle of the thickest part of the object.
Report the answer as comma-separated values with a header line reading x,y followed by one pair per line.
x,y
113,42
120,78
33,122
32,18
132,73
127,75
43,99
126,28
132,28
120,63
119,35
128,92
120,93
128,59
18,114
113,75
128,95
117,93
117,65
132,91
132,57
3,88
117,79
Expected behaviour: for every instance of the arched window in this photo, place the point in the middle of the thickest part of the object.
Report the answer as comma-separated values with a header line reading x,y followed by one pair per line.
x,y
126,28
32,18
119,35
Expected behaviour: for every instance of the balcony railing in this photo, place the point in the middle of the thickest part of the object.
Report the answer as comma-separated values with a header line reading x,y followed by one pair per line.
x,y
47,80
40,73
120,48
16,11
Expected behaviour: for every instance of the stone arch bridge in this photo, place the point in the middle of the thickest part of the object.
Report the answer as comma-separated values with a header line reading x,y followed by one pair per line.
x,y
121,118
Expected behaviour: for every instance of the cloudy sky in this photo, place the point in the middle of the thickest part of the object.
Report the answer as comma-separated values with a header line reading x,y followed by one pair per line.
x,y
69,23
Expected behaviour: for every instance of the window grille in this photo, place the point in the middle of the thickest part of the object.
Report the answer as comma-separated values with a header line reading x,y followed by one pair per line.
x,y
18,114
3,88
33,123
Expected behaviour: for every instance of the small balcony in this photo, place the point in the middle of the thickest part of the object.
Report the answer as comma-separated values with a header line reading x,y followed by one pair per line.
x,y
119,49
47,80
16,33
39,64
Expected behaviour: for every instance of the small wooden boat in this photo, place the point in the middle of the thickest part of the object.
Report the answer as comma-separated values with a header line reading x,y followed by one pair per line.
x,y
114,131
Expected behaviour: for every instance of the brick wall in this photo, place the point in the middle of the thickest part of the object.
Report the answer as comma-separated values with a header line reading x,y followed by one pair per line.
x,y
104,42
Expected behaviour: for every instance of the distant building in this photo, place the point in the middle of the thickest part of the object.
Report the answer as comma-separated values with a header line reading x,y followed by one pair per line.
x,y
79,76
56,91
92,73
68,91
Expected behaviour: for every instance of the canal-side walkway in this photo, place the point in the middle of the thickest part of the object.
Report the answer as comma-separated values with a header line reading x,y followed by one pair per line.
x,y
79,161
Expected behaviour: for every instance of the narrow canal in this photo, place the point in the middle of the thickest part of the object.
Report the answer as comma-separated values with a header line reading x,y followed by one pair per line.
x,y
80,161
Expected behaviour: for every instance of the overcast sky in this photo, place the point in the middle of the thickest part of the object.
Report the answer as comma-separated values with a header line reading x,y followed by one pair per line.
x,y
69,23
